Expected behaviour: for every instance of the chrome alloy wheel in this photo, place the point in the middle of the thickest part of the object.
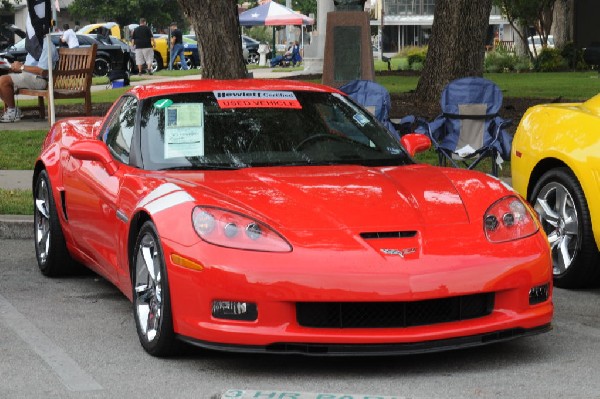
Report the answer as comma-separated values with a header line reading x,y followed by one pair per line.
x,y
42,220
148,287
558,214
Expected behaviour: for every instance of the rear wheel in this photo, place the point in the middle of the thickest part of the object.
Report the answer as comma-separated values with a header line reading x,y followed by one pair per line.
x,y
151,296
157,63
562,208
50,248
101,67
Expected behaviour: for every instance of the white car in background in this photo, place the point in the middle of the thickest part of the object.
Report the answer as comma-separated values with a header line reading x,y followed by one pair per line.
x,y
536,42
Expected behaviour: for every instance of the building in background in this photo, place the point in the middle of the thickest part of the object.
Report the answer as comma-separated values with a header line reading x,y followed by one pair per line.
x,y
408,23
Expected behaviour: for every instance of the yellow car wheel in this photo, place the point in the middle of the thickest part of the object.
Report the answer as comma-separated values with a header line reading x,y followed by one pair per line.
x,y
563,210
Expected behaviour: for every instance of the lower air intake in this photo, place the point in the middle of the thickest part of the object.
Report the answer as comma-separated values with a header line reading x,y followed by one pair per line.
x,y
393,314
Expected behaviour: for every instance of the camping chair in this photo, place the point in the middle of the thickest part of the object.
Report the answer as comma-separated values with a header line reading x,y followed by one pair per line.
x,y
469,129
376,99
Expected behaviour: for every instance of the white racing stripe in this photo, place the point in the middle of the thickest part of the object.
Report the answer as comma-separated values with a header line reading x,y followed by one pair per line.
x,y
169,201
164,197
67,369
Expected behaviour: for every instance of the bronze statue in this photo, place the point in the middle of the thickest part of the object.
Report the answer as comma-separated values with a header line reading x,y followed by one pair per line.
x,y
349,5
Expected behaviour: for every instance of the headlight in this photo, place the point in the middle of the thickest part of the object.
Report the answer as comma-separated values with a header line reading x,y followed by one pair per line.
x,y
233,230
509,219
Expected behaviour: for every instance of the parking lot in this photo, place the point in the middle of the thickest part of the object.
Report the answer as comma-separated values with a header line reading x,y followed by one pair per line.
x,y
75,338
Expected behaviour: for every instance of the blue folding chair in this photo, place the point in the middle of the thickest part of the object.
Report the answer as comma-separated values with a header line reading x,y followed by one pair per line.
x,y
469,129
376,99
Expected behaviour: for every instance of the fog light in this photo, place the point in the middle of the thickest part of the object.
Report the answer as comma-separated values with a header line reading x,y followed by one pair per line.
x,y
539,294
491,223
234,310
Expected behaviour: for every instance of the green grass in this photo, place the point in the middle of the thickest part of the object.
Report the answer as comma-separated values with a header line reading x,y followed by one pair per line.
x,y
16,202
19,149
568,85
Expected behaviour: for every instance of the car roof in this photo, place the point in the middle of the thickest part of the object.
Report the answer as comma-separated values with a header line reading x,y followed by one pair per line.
x,y
251,39
196,85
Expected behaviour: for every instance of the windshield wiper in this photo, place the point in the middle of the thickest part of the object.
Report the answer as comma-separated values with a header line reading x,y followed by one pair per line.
x,y
204,167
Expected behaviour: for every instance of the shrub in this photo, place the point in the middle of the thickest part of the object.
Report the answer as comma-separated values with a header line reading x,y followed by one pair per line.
x,y
573,56
499,61
417,66
415,55
402,64
550,60
522,64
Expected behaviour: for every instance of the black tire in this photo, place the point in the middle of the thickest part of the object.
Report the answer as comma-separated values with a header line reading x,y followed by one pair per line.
x,y
562,208
253,58
50,249
101,67
157,63
152,310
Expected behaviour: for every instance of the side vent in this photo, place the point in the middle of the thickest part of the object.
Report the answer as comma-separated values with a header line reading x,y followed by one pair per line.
x,y
63,203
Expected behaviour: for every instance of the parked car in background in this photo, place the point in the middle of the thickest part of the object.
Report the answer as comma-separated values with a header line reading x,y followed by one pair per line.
x,y
252,46
591,54
555,164
108,56
4,66
536,42
113,27
245,51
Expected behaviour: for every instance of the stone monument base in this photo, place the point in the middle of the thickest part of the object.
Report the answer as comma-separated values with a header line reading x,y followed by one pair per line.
x,y
348,51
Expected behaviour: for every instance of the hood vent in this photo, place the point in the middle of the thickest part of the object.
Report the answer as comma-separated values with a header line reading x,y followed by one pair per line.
x,y
388,234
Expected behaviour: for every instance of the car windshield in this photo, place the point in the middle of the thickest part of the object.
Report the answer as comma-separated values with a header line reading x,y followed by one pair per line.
x,y
233,129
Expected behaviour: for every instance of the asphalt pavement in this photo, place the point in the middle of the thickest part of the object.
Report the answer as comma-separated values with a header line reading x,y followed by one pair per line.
x,y
20,226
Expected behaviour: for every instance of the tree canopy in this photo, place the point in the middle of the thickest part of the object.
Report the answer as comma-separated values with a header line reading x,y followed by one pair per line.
x,y
158,13
528,16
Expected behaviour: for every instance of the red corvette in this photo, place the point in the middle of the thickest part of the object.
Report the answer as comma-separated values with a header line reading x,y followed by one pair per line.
x,y
278,216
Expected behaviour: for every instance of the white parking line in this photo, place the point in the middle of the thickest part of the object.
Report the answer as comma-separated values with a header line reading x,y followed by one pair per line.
x,y
270,394
67,369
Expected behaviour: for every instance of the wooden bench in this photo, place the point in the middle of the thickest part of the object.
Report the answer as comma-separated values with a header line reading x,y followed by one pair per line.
x,y
72,78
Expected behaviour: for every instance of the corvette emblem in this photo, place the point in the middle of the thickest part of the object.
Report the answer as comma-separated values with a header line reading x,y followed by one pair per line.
x,y
400,252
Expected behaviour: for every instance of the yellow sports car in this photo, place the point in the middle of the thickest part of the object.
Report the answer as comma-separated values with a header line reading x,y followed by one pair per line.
x,y
555,164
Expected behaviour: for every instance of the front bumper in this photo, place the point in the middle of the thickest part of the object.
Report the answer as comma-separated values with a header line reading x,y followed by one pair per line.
x,y
309,349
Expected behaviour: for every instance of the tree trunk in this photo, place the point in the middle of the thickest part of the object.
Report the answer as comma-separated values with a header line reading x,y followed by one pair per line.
x,y
457,45
219,38
562,28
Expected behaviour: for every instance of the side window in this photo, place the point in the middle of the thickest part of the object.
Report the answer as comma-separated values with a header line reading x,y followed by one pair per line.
x,y
118,132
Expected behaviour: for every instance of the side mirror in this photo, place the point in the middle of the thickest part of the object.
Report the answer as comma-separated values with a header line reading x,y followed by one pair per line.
x,y
94,150
415,143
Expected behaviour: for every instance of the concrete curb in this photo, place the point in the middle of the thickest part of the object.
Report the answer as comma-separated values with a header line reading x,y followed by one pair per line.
x,y
16,227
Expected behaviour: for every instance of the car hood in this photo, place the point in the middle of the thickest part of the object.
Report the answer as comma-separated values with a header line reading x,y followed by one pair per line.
x,y
334,197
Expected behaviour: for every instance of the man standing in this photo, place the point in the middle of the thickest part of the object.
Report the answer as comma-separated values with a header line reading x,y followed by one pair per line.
x,y
143,41
69,37
177,48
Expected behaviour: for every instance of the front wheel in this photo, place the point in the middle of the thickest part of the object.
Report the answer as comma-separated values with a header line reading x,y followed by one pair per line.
x,y
151,296
50,249
562,208
253,58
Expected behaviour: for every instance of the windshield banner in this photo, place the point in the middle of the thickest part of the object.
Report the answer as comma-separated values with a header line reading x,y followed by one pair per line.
x,y
256,99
